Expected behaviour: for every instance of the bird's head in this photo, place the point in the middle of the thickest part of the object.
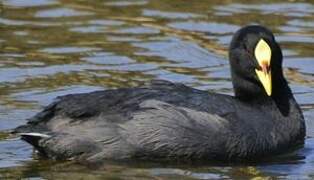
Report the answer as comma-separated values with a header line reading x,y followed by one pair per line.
x,y
256,60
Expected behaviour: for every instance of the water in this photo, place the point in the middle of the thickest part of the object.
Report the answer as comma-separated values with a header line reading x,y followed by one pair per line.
x,y
55,47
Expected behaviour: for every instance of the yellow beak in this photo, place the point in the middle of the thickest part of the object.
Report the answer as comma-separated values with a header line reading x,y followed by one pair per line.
x,y
263,56
265,78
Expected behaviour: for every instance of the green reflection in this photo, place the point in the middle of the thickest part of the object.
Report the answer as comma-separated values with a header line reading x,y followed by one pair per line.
x,y
44,45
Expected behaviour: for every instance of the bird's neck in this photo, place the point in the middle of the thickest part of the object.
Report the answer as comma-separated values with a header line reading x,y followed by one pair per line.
x,y
253,91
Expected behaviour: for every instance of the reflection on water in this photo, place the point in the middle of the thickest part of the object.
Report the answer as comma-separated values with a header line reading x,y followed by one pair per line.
x,y
55,47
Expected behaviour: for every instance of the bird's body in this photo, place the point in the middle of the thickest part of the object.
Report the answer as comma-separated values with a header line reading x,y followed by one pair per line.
x,y
170,121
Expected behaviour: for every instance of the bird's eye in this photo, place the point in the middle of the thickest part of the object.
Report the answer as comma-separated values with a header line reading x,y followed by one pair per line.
x,y
245,46
247,50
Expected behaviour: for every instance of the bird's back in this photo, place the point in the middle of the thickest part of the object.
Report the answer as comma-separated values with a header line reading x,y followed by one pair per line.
x,y
162,120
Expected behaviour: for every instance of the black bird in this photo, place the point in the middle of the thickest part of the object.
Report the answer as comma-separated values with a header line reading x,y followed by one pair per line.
x,y
172,122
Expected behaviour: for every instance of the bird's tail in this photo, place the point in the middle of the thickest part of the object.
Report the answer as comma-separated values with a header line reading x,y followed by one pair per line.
x,y
33,139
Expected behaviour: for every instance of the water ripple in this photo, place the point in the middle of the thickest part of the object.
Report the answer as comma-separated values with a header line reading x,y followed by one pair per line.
x,y
61,12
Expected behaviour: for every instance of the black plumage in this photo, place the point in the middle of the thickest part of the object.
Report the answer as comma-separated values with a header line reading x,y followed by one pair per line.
x,y
170,121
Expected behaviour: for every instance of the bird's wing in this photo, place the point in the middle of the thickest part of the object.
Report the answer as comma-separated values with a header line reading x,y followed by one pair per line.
x,y
123,120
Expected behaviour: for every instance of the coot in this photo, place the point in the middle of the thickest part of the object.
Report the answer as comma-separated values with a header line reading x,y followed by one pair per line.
x,y
171,122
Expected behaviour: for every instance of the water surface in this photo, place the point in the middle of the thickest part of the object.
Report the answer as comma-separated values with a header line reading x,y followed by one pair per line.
x,y
50,48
